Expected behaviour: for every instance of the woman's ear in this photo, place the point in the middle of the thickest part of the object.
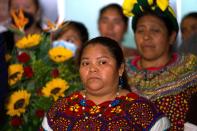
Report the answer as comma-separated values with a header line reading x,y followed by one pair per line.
x,y
173,38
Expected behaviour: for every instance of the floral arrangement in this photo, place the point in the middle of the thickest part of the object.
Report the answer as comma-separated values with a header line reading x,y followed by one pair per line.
x,y
38,75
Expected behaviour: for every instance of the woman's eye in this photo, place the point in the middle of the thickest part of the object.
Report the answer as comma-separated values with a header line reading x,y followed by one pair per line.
x,y
102,62
139,30
155,30
84,63
70,40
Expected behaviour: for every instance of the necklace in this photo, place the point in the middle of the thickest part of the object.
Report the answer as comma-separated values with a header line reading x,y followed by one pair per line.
x,y
97,109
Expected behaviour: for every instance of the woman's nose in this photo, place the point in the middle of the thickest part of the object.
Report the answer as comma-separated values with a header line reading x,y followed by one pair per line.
x,y
146,35
93,68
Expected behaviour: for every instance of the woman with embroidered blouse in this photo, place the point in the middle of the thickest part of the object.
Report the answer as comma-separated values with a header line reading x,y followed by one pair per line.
x,y
168,79
105,103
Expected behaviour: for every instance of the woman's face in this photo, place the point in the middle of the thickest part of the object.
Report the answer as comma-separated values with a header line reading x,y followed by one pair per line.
x,y
98,70
27,5
152,38
71,35
112,25
188,27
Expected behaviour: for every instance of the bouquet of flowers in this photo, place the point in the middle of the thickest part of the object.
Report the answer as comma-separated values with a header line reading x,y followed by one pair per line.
x,y
39,74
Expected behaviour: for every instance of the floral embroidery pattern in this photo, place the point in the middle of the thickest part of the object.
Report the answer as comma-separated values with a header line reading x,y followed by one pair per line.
x,y
119,116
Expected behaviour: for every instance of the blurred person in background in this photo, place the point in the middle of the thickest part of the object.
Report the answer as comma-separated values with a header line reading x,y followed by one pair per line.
x,y
189,33
4,16
113,24
72,33
32,11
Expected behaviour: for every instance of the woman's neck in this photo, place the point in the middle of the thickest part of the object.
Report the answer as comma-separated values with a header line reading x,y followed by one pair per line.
x,y
156,63
100,98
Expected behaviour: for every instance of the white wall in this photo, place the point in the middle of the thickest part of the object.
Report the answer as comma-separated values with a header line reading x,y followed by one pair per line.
x,y
49,8
87,12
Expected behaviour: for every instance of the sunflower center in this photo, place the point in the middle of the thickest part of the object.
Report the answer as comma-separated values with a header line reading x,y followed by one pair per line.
x,y
55,91
58,56
19,104
14,75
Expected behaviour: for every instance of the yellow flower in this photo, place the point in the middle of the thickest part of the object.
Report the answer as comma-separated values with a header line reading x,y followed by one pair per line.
x,y
55,88
128,7
116,109
29,41
18,102
74,108
95,109
162,4
60,54
19,19
15,73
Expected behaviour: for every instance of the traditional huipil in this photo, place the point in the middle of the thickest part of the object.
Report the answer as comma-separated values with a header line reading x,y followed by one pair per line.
x,y
128,113
169,87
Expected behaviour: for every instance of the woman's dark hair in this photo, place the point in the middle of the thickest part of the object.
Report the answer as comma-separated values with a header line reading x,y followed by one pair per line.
x,y
162,16
114,49
79,27
116,7
189,15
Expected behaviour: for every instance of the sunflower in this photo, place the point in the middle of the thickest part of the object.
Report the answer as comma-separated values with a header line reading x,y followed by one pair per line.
x,y
60,54
55,88
29,41
18,102
15,73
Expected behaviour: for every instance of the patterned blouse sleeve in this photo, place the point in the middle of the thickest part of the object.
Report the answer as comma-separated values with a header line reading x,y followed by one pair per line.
x,y
146,115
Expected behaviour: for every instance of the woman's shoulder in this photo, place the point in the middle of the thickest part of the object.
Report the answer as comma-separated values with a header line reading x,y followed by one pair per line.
x,y
144,111
139,100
